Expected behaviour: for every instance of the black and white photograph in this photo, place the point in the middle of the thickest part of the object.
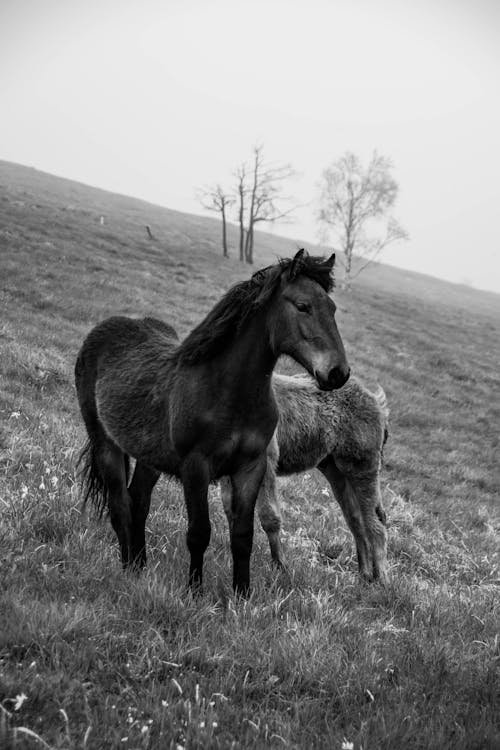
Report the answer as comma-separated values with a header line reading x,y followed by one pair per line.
x,y
249,375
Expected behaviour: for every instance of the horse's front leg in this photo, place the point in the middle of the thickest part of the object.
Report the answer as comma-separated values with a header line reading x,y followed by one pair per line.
x,y
246,484
195,479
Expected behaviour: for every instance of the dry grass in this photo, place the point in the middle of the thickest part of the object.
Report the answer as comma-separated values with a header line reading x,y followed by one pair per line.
x,y
314,660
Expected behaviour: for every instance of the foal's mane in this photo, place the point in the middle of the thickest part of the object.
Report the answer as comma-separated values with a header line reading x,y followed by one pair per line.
x,y
224,321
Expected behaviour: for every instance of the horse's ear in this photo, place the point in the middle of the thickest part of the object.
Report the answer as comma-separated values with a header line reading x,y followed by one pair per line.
x,y
330,262
296,262
266,279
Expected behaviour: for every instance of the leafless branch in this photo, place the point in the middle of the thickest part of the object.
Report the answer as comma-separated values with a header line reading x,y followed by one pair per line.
x,y
351,198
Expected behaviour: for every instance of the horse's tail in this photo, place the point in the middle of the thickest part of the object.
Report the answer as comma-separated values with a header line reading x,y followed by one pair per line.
x,y
94,487
381,400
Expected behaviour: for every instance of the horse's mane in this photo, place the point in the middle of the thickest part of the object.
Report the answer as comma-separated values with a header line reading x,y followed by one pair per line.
x,y
224,321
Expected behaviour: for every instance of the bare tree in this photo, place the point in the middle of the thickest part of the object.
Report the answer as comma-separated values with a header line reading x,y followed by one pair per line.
x,y
241,174
353,207
267,201
215,198
259,195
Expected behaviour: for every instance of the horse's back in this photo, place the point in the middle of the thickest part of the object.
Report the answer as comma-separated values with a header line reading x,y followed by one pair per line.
x,y
120,333
161,327
123,372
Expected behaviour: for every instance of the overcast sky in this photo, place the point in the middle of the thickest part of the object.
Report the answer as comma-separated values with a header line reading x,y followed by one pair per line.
x,y
154,98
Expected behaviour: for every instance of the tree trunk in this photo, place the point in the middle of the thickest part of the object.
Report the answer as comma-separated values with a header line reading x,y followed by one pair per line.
x,y
249,246
242,243
242,225
224,235
348,266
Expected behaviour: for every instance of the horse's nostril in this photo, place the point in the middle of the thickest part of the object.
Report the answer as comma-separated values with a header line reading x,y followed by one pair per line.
x,y
322,381
339,376
334,379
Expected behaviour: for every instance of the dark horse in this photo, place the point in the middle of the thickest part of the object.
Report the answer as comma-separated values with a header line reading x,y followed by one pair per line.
x,y
204,408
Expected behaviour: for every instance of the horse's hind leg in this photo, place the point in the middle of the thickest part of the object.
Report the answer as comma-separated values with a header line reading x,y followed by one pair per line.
x,y
358,495
140,489
111,463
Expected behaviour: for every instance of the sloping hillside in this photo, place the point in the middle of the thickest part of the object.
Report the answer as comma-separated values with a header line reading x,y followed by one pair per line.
x,y
312,660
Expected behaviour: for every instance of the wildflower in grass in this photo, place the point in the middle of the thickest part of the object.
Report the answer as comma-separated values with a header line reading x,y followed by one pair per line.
x,y
346,745
19,700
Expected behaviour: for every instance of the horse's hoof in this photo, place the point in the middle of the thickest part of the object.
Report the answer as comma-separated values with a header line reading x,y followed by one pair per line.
x,y
242,590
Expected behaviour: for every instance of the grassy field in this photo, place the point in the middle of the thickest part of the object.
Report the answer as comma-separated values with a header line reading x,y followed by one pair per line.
x,y
93,658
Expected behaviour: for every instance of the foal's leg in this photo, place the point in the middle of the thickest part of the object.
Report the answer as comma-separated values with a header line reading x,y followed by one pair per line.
x,y
246,484
358,495
195,478
226,493
267,504
111,462
366,487
268,508
140,489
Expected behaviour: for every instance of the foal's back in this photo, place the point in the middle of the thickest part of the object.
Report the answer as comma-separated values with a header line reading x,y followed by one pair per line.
x,y
313,424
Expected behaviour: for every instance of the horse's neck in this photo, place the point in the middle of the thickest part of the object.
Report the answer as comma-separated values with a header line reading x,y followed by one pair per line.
x,y
251,360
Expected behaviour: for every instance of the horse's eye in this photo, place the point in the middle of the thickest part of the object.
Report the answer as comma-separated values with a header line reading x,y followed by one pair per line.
x,y
303,307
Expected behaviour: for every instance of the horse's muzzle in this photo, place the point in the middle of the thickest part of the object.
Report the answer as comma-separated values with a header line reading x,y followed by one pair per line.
x,y
337,377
